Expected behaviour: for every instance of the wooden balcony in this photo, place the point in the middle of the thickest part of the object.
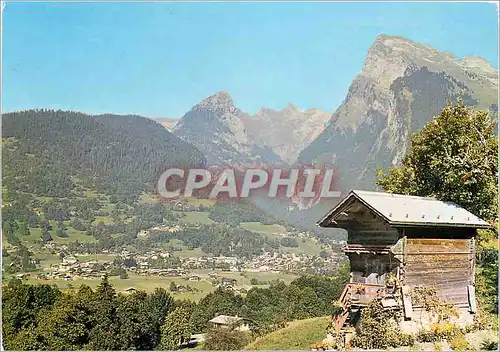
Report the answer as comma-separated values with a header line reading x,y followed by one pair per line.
x,y
356,295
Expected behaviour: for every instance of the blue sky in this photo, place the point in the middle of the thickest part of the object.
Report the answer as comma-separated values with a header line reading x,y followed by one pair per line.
x,y
160,59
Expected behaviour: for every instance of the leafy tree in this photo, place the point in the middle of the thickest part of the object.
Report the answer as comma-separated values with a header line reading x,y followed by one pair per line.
x,y
9,227
124,275
63,327
61,229
220,301
136,326
33,220
24,229
176,330
454,158
289,242
78,225
21,304
225,339
158,305
46,237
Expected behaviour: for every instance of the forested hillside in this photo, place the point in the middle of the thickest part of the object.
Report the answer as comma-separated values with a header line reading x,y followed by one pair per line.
x,y
120,155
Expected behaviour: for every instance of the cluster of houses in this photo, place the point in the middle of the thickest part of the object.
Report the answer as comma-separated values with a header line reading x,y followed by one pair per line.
x,y
291,262
158,262
210,262
71,267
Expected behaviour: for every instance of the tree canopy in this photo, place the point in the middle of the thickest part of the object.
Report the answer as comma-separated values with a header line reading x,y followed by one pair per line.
x,y
453,158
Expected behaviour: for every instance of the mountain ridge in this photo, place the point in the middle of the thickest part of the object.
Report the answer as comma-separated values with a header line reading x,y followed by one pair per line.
x,y
229,135
401,87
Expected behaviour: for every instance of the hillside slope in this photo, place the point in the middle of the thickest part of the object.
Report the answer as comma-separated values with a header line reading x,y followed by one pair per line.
x,y
50,147
298,335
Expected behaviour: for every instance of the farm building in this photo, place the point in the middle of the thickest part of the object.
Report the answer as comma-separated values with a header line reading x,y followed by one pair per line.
x,y
411,241
230,321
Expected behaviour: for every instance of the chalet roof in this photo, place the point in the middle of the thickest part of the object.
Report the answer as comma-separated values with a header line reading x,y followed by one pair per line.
x,y
403,210
225,320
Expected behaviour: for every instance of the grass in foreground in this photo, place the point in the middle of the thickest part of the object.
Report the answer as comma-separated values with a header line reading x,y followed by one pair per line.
x,y
298,335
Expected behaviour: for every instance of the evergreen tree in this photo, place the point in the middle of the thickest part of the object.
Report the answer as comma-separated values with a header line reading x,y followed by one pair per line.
x,y
176,330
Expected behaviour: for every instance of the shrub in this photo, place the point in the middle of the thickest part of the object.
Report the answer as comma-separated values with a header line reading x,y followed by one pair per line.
x,y
459,343
439,332
226,338
378,328
338,307
428,298
437,346
489,345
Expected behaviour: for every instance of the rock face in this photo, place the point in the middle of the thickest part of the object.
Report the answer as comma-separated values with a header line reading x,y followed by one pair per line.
x,y
286,132
215,126
401,87
227,135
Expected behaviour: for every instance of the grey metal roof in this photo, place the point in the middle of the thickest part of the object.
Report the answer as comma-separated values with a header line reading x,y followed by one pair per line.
x,y
225,319
403,210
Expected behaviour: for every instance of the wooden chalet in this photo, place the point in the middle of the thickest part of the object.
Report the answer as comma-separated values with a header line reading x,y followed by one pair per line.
x,y
414,241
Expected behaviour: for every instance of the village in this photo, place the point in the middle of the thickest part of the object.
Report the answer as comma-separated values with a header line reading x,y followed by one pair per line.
x,y
156,263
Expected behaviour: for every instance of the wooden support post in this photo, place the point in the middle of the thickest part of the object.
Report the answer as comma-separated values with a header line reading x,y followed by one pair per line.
x,y
472,298
407,306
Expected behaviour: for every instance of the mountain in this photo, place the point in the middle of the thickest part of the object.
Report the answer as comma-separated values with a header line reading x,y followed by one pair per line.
x,y
216,127
228,135
401,87
169,124
286,132
49,149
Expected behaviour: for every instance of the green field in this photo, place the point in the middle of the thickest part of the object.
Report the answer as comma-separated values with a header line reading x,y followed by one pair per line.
x,y
195,217
273,229
145,283
243,278
198,201
309,246
73,235
182,251
298,335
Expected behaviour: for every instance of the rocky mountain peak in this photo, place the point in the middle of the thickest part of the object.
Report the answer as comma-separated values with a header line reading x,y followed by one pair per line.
x,y
477,62
220,102
287,131
401,87
291,110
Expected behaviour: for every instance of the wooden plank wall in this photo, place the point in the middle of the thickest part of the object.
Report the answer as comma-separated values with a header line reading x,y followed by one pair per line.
x,y
371,268
440,263
367,229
